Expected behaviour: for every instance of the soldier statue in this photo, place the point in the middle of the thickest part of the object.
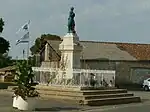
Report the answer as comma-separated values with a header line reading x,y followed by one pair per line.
x,y
71,22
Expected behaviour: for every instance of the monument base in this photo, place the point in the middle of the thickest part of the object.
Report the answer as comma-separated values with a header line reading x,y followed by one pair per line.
x,y
88,95
70,53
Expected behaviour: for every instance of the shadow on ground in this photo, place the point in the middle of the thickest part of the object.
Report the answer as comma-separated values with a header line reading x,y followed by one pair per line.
x,y
4,85
144,100
57,109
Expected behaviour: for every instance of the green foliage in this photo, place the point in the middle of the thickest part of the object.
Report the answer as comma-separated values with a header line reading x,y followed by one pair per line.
x,y
5,60
50,37
24,73
4,45
40,42
32,60
1,25
24,80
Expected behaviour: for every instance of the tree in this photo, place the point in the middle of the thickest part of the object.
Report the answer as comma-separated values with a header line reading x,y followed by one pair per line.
x,y
32,60
1,25
50,37
4,45
40,42
5,60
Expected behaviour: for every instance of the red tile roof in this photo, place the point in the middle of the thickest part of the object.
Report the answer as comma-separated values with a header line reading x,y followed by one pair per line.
x,y
137,50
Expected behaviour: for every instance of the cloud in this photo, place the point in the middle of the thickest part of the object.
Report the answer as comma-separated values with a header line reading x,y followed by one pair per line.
x,y
101,20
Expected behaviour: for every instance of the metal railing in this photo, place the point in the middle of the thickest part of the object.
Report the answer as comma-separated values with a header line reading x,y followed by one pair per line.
x,y
79,77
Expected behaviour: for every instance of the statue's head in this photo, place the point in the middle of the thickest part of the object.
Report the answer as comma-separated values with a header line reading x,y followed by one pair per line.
x,y
72,8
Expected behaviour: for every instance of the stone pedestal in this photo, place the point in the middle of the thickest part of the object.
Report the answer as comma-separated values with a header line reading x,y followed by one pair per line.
x,y
70,52
46,52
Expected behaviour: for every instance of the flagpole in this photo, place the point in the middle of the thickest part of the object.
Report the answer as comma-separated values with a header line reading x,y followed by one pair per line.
x,y
25,27
28,47
23,52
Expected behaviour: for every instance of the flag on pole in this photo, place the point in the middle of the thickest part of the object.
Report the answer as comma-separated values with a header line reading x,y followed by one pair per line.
x,y
24,39
24,27
23,53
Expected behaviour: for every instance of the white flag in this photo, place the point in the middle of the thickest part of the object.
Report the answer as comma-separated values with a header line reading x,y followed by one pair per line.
x,y
24,27
26,36
23,39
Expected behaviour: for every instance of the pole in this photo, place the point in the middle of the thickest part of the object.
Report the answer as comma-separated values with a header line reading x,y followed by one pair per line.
x,y
28,52
16,59
26,29
28,45
23,52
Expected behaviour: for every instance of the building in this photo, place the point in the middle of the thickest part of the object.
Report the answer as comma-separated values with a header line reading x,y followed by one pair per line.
x,y
7,74
130,60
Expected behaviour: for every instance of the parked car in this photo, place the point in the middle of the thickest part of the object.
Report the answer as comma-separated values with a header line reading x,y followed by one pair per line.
x,y
146,84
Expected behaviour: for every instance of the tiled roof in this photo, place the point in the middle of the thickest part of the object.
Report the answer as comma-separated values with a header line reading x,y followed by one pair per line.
x,y
139,51
98,50
111,50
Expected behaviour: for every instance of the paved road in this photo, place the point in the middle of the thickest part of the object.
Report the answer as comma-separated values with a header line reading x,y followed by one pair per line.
x,y
42,105
52,105
144,106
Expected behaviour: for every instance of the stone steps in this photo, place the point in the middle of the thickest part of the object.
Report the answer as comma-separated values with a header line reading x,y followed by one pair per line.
x,y
97,88
98,101
85,97
111,101
74,88
88,96
107,96
111,91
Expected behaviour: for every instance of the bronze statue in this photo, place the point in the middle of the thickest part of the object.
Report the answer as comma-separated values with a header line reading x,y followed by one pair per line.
x,y
71,22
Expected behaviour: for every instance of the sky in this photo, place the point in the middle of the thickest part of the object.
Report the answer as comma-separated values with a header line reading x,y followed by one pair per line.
x,y
96,20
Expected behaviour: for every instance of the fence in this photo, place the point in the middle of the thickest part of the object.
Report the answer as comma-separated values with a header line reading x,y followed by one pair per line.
x,y
80,77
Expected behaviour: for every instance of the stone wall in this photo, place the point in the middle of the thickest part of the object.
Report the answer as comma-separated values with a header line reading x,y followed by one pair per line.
x,y
124,69
97,64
